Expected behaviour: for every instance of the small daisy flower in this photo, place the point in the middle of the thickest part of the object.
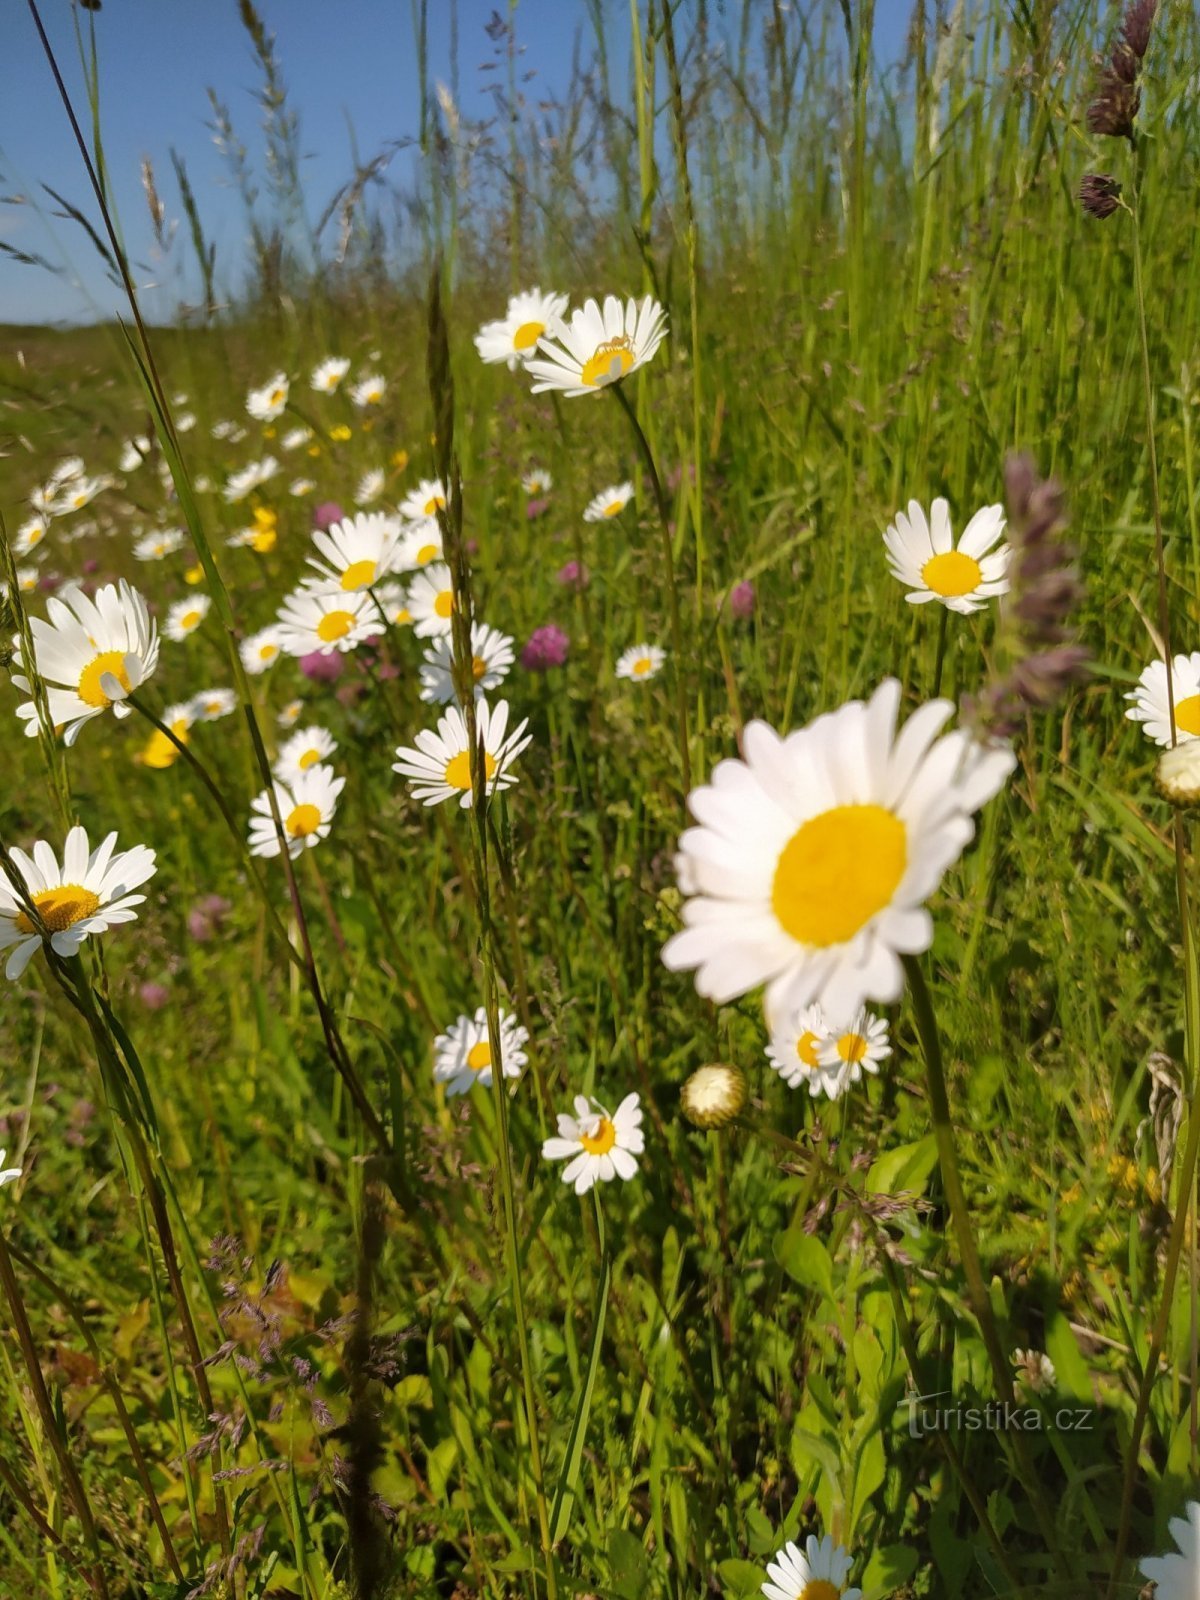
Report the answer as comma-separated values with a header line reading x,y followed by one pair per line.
x,y
369,391
608,503
370,487
462,1056
133,453
1178,1575
295,437
491,660
815,854
185,421
597,1145
69,470
1035,1370
1177,776
225,429
713,1095
159,752
327,376
76,494
8,1174
392,600
322,620
185,616
210,705
420,544
851,1050
536,484
426,500
291,714
158,545
91,654
261,650
355,553
27,580
431,601
514,338
306,808
1150,706
87,894
29,535
439,767
239,484
308,747
641,662
795,1048
598,347
819,1572
267,403
923,556
299,487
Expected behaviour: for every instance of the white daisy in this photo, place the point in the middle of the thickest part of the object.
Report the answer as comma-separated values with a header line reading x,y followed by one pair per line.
x,y
819,1572
462,1056
300,487
426,500
308,747
608,503
224,429
328,374
90,654
185,421
439,768
8,1174
923,556
77,493
852,1049
514,338
392,600
420,543
491,658
370,487
133,453
185,616
537,483
161,543
88,894
595,1144
29,535
431,601
368,391
210,705
640,662
261,650
240,484
27,580
816,853
326,620
295,437
267,403
598,347
794,1050
290,714
355,553
1150,700
1178,1576
69,470
306,808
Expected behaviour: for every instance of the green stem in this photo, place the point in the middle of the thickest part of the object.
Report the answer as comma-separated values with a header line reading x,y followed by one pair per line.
x,y
940,655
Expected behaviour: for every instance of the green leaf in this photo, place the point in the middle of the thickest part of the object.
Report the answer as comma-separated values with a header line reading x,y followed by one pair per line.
x,y
627,1564
804,1258
904,1170
739,1578
564,1495
889,1567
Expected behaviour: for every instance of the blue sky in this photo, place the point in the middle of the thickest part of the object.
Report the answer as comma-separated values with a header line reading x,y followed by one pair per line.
x,y
346,63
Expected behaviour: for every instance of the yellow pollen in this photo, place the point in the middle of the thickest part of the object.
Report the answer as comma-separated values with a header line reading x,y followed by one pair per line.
x,y
276,396
819,1589
1187,714
614,508
806,1048
304,819
402,616
334,625
309,759
852,1048
189,619
611,360
601,1139
837,871
479,1056
35,535
89,688
434,504
527,335
444,604
359,575
427,552
60,909
458,769
642,666
952,573
266,651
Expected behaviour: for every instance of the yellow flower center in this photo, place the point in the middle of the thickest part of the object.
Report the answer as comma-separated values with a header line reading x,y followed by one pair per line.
x,y
806,1048
427,553
614,508
952,573
1187,714
34,536
444,604
434,504
61,908
267,651
601,1139
837,871
359,575
189,619
89,688
309,759
276,396
479,1056
304,819
527,335
819,1589
642,666
612,360
334,625
852,1047
478,667
374,396
458,769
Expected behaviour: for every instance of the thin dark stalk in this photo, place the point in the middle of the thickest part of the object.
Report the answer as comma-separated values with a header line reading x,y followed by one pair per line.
x,y
940,654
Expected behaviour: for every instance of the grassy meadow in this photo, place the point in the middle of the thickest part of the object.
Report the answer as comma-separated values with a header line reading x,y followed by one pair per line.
x,y
284,1317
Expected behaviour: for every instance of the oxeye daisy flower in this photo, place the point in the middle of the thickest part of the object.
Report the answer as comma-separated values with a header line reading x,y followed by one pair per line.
x,y
185,616
69,470
596,1144
1150,706
815,854
370,487
239,484
462,1056
819,1572
713,1095
307,747
261,650
420,543
537,483
133,453
491,659
392,600
439,767
27,580
640,662
1177,776
514,338
158,545
299,487
598,347
368,391
794,1050
29,535
426,500
267,403
87,894
923,556
91,653
159,752
850,1050
291,714
322,620
354,553
8,1174
608,503
295,437
210,705
76,494
306,808
1178,1575
328,374
431,601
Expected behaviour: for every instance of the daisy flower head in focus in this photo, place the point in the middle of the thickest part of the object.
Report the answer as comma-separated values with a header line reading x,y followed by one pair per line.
x,y
90,653
818,1572
608,503
324,619
514,338
260,650
355,553
596,1144
368,391
306,809
641,662
922,555
426,500
438,768
491,659
814,854
598,346
328,374
1150,705
210,705
850,1050
420,543
431,601
87,893
462,1056
307,747
1178,1574
185,616
267,403
794,1048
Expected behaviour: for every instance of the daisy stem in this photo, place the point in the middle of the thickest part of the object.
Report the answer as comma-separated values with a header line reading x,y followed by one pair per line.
x,y
664,517
939,658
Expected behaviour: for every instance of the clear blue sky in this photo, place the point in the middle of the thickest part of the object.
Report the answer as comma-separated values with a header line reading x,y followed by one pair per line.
x,y
346,62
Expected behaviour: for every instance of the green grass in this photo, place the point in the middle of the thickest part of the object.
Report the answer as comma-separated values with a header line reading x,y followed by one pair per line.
x,y
892,287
